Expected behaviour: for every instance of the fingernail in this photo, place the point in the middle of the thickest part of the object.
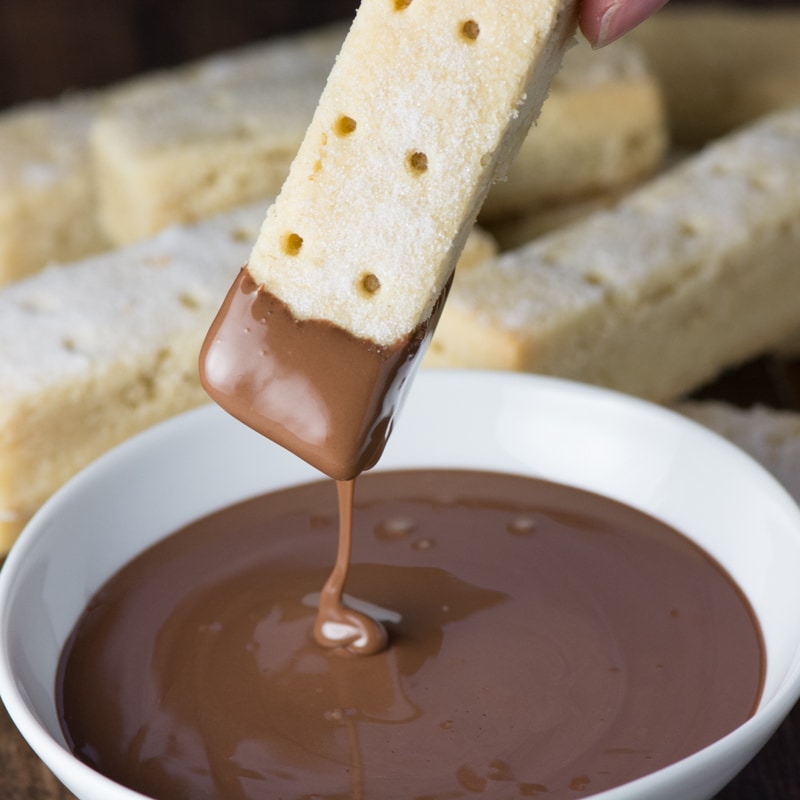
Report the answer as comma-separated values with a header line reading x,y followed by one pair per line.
x,y
622,16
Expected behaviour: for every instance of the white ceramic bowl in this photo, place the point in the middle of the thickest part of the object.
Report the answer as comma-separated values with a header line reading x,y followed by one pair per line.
x,y
640,454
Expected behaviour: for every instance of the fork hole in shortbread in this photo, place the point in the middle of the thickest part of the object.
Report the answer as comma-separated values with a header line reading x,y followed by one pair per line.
x,y
292,243
417,162
189,301
399,5
370,283
344,126
470,30
594,278
690,227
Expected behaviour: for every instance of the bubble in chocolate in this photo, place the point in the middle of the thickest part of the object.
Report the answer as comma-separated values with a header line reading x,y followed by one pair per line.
x,y
424,544
322,520
522,526
395,528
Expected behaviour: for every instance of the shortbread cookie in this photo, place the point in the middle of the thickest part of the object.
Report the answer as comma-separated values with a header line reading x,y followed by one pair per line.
x,y
693,272
47,202
722,66
770,436
427,102
92,352
602,129
187,143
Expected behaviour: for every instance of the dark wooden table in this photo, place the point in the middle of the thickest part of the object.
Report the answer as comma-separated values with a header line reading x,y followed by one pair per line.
x,y
45,50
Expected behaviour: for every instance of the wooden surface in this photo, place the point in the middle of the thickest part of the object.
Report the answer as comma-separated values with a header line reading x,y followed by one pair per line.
x,y
22,775
45,50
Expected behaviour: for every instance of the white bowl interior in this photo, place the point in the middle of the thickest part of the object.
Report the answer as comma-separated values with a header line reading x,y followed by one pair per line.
x,y
631,451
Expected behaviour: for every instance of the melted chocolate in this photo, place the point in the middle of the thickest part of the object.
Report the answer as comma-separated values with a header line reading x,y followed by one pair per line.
x,y
339,624
543,641
309,385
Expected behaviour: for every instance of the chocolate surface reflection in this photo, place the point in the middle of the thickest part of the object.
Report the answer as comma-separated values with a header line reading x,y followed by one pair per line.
x,y
542,641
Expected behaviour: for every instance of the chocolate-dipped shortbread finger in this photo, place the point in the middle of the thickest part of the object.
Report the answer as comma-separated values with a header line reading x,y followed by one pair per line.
x,y
425,106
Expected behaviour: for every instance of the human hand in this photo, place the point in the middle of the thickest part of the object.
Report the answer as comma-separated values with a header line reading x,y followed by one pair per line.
x,y
603,21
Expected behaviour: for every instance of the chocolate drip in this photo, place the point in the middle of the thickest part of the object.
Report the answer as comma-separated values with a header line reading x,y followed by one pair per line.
x,y
337,624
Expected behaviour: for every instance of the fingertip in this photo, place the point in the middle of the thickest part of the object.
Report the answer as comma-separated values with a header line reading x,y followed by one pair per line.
x,y
589,21
603,22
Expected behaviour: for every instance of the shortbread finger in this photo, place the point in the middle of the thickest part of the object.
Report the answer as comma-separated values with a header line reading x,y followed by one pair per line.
x,y
721,66
769,435
694,272
426,102
602,129
47,199
187,143
94,351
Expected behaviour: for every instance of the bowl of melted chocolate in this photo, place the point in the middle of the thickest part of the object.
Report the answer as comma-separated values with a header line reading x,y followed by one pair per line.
x,y
544,590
